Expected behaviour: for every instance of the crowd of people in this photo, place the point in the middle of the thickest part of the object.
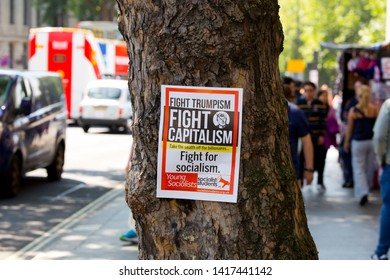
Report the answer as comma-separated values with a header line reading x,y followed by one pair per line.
x,y
317,128
359,129
347,129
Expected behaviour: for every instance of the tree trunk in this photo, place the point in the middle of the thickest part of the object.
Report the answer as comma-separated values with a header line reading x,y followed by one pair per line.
x,y
214,43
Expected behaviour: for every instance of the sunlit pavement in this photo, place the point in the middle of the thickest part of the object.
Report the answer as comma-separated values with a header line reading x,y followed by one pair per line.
x,y
341,228
91,234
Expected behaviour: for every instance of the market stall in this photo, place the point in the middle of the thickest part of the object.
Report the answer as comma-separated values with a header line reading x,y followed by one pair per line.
x,y
369,64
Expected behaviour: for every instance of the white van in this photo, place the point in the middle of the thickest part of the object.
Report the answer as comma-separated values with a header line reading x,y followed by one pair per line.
x,y
106,103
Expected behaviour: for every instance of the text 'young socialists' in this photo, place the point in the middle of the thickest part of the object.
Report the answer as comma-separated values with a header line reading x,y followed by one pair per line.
x,y
200,126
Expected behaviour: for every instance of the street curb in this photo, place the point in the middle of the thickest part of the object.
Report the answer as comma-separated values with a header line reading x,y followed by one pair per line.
x,y
33,248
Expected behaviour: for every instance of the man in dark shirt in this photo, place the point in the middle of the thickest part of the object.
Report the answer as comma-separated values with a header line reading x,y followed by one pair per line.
x,y
299,129
315,112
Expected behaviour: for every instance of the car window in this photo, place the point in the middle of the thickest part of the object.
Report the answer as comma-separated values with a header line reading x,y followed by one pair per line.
x,y
5,84
20,93
104,93
47,90
53,88
38,97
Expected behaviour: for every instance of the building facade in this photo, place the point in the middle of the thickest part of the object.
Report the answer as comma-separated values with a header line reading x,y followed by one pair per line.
x,y
16,18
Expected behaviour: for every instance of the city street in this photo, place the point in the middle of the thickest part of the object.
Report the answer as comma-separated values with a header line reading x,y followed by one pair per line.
x,y
94,165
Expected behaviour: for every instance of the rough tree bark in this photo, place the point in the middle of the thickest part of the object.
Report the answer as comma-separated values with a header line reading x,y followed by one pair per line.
x,y
230,43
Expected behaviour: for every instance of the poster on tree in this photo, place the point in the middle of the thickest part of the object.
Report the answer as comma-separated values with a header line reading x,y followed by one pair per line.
x,y
199,143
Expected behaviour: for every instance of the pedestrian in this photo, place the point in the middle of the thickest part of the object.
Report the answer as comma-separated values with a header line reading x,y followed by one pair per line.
x,y
291,84
130,235
298,91
381,142
331,124
299,129
288,92
358,140
315,112
346,158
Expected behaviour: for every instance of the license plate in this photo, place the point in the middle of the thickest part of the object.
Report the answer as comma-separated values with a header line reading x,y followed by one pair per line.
x,y
100,108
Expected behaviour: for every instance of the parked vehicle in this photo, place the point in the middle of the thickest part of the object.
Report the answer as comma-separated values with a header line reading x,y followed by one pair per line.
x,y
106,103
32,126
79,55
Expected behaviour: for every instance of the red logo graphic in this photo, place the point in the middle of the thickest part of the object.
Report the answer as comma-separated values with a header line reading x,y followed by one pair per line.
x,y
223,182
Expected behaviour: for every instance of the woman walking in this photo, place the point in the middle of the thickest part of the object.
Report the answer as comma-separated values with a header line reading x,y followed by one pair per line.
x,y
358,139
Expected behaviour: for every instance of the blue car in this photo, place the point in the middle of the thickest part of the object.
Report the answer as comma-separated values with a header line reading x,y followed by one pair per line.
x,y
32,126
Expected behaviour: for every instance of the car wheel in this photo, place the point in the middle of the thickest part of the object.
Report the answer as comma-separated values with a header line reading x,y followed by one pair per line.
x,y
55,169
114,129
13,178
86,128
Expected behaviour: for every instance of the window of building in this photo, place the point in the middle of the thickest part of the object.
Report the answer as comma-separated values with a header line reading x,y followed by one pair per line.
x,y
11,55
11,11
24,56
27,12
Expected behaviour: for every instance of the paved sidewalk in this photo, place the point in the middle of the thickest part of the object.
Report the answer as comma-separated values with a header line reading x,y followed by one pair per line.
x,y
91,234
341,228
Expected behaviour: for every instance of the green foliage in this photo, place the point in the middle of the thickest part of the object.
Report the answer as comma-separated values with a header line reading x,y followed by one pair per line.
x,y
54,12
92,9
306,23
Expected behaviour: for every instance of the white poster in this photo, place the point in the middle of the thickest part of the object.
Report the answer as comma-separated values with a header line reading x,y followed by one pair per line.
x,y
199,143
